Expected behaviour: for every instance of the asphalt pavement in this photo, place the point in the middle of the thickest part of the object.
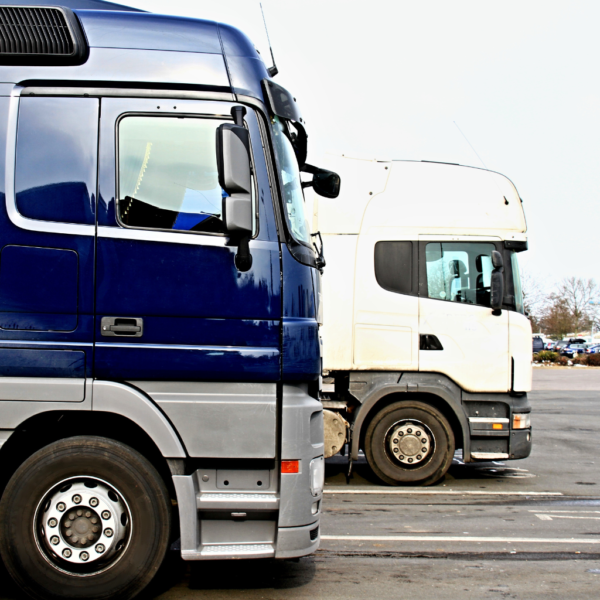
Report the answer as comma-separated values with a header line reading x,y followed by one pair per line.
x,y
514,529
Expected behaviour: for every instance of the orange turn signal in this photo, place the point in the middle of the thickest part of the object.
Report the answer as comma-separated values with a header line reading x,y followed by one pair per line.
x,y
497,426
290,466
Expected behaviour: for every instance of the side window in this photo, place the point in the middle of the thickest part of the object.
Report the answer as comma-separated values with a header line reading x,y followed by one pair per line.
x,y
459,272
56,162
168,176
393,266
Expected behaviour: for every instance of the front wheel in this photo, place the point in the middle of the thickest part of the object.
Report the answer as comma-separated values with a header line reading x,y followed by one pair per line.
x,y
84,518
409,443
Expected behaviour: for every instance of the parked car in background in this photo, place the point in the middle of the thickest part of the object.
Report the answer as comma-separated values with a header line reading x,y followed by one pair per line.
x,y
592,348
558,346
572,349
538,344
550,345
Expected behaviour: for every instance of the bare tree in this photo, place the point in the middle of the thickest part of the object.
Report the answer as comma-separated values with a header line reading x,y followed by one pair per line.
x,y
535,299
568,309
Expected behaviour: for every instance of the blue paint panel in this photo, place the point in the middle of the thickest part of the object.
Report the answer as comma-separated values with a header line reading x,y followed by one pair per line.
x,y
301,358
83,246
174,364
205,332
298,293
24,362
146,31
301,350
38,282
55,177
142,279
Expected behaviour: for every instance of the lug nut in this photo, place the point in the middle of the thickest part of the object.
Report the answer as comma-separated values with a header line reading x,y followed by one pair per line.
x,y
54,540
88,514
108,532
105,515
409,430
69,532
72,516
410,460
52,522
76,499
401,433
80,513
94,502
418,433
395,441
423,449
84,556
61,507
396,450
67,553
402,458
419,457
100,548
424,441
94,520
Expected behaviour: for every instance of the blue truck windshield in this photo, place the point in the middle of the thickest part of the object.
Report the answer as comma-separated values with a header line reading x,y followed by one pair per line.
x,y
293,197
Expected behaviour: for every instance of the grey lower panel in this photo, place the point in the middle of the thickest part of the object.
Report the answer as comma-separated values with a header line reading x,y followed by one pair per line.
x,y
301,423
220,419
42,389
12,413
296,541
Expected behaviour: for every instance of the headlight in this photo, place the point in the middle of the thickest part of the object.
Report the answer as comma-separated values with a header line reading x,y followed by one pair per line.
x,y
317,475
521,421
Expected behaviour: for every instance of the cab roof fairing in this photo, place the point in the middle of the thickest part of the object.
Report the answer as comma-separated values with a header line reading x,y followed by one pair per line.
x,y
147,31
135,31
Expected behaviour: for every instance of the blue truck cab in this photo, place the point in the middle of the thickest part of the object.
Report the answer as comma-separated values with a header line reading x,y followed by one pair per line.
x,y
159,336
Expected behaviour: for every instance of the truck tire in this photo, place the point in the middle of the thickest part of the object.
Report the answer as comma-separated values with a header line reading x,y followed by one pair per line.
x,y
409,443
84,518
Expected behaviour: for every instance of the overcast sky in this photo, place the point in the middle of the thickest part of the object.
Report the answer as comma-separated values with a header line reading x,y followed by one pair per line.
x,y
393,79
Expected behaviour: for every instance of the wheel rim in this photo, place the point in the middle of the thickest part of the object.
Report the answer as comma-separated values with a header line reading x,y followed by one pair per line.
x,y
82,526
410,443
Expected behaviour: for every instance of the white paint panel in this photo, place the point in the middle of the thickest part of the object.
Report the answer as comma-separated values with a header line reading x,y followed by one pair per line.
x,y
382,346
338,301
475,342
520,349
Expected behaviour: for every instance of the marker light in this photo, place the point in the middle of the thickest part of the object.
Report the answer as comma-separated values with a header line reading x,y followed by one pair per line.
x,y
290,466
521,421
497,426
317,475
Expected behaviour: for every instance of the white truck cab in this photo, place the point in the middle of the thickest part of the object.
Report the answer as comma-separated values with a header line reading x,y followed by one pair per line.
x,y
426,344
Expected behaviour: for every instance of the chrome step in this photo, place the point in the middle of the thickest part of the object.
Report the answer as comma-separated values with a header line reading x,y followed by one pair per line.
x,y
234,501
221,551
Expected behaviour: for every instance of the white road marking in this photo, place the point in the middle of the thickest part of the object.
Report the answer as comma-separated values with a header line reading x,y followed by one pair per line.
x,y
551,517
443,538
576,512
439,492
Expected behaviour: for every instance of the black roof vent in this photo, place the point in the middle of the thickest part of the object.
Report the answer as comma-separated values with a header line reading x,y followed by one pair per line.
x,y
41,35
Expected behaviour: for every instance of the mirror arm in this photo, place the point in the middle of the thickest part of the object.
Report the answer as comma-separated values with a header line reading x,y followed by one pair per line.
x,y
306,184
243,258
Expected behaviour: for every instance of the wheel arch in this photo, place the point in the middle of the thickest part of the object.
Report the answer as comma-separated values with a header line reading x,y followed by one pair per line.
x,y
432,389
50,426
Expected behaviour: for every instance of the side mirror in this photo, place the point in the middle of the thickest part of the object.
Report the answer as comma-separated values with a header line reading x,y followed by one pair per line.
x,y
233,163
497,283
325,183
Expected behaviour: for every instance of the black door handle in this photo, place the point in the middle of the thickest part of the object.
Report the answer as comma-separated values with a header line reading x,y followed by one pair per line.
x,y
122,326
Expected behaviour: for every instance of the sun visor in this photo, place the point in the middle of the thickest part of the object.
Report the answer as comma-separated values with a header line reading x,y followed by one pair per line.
x,y
281,102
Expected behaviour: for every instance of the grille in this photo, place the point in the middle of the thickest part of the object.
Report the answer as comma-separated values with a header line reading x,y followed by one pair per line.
x,y
314,533
34,31
40,35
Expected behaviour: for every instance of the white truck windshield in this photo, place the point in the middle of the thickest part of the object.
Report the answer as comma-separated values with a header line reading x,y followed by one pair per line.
x,y
293,197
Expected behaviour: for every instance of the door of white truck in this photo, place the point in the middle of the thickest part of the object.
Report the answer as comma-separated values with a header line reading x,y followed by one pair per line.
x,y
454,306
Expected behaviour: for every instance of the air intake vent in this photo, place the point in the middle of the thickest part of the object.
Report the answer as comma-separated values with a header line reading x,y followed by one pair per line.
x,y
36,35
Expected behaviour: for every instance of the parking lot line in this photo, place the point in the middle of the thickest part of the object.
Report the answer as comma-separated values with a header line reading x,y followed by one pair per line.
x,y
445,538
438,492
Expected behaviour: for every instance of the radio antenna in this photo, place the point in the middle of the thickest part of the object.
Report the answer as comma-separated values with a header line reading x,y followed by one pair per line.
x,y
272,70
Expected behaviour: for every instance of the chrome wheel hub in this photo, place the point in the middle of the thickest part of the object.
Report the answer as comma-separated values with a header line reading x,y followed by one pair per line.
x,y
83,524
410,442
